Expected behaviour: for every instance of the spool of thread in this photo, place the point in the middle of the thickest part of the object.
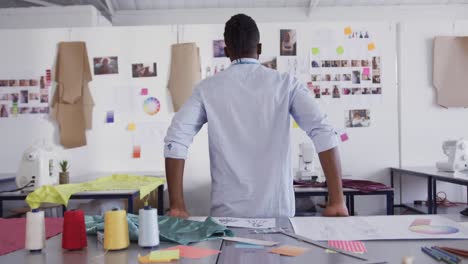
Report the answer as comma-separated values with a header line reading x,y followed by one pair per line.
x,y
35,231
116,230
74,230
148,233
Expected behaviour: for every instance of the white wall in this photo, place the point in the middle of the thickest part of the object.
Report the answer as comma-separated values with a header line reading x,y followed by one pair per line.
x,y
52,17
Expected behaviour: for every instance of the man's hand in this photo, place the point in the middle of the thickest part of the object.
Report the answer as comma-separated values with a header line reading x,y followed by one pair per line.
x,y
178,213
338,209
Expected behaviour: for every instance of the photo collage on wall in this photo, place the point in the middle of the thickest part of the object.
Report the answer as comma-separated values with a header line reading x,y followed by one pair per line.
x,y
20,97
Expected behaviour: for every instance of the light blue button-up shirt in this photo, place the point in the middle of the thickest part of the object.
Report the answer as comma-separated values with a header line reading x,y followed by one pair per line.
x,y
248,109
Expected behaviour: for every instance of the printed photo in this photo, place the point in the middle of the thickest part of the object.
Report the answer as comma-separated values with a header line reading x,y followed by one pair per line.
x,y
364,63
14,97
346,77
356,91
144,70
344,63
356,77
336,63
317,92
33,96
33,82
106,65
366,91
310,86
376,63
24,110
346,91
355,63
315,78
4,111
377,90
337,77
288,43
336,92
326,78
24,99
325,91
34,110
365,77
376,76
270,63
357,118
44,110
326,63
4,97
315,64
218,48
13,83
44,98
3,83
42,83
24,83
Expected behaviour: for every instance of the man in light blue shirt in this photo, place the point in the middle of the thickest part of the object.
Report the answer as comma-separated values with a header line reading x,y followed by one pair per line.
x,y
248,108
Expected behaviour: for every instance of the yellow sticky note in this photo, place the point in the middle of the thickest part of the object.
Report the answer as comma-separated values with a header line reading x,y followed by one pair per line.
x,y
348,31
164,255
131,127
340,50
315,51
371,46
295,125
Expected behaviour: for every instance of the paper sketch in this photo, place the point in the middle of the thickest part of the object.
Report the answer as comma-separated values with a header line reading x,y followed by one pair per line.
x,y
241,222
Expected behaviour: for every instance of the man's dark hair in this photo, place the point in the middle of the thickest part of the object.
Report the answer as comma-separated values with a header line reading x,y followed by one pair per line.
x,y
241,36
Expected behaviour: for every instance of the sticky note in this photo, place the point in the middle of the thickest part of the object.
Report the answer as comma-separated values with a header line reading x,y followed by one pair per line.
x,y
164,255
366,71
371,46
136,152
249,246
131,127
289,251
350,246
110,117
144,91
340,50
295,125
348,31
344,137
315,51
194,252
330,251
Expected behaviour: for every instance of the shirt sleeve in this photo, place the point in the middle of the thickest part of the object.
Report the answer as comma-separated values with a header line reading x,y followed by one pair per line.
x,y
310,118
185,125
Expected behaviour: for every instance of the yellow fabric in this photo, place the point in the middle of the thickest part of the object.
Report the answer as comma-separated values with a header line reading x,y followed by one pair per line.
x,y
60,194
160,256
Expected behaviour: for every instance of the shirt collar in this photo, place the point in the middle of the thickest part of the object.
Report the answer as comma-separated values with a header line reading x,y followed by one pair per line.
x,y
245,61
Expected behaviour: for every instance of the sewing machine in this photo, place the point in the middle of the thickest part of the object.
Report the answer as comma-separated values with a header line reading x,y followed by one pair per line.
x,y
306,170
38,167
457,152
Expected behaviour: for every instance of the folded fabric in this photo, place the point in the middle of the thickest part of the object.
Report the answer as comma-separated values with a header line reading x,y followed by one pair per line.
x,y
361,185
60,194
181,231
13,232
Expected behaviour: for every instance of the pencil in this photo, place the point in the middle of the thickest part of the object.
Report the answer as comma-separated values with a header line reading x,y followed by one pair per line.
x,y
428,251
443,257
449,255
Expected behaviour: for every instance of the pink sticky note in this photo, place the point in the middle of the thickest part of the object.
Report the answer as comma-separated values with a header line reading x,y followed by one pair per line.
x,y
144,91
194,252
350,246
344,137
366,71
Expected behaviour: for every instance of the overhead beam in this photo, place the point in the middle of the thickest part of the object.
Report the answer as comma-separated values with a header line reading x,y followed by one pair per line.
x,y
312,5
40,2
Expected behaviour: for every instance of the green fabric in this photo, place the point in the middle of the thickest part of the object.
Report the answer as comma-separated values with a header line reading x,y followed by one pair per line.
x,y
171,229
60,194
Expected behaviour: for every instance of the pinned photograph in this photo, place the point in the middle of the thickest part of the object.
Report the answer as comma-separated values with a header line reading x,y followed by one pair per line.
x,y
4,97
336,63
33,82
13,83
326,78
3,83
23,99
44,110
365,76
316,78
269,63
315,64
4,111
288,43
33,96
326,92
44,98
356,91
218,48
24,83
355,63
310,86
106,65
377,90
366,91
344,63
364,63
376,63
337,78
14,97
346,91
356,77
346,77
336,92
144,70
376,76
24,110
357,118
317,92
34,110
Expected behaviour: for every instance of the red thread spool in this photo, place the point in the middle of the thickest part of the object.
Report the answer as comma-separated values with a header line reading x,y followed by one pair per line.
x,y
74,230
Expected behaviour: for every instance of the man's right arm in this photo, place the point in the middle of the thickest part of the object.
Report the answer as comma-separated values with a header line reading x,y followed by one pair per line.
x,y
185,125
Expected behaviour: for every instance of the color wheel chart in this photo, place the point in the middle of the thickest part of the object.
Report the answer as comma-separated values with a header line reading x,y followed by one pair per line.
x,y
151,106
423,226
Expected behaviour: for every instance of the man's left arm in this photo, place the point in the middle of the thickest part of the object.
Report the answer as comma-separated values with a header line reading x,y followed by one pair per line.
x,y
313,121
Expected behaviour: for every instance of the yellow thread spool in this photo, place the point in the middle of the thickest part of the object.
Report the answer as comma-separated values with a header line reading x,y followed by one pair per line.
x,y
116,230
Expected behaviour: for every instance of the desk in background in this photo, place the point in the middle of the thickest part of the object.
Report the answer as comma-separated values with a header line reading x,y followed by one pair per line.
x,y
432,176
349,195
390,251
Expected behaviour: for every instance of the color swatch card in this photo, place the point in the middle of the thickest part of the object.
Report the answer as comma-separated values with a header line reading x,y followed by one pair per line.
x,y
194,252
164,255
136,152
350,246
291,251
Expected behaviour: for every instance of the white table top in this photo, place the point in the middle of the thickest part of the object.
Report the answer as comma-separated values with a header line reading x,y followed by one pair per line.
x,y
321,189
432,170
